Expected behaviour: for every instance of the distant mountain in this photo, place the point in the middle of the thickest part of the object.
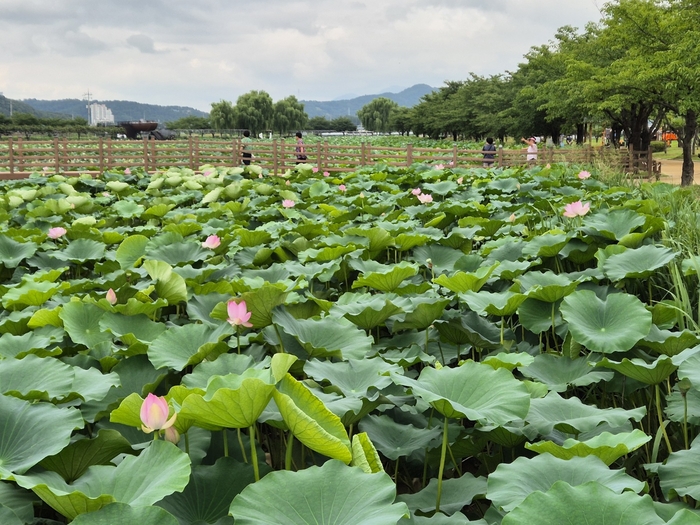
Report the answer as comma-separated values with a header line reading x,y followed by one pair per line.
x,y
344,108
8,106
121,109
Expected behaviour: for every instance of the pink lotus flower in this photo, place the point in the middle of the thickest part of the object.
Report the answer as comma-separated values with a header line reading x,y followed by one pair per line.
x,y
342,187
511,218
127,171
238,314
326,174
260,176
460,180
440,167
172,435
415,191
55,233
314,169
212,242
288,203
425,198
154,414
206,173
111,297
576,209
583,175
288,183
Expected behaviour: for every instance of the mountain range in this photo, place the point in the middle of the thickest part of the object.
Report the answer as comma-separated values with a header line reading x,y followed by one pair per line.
x,y
127,110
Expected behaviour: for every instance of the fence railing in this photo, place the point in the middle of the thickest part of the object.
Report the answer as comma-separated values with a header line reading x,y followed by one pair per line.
x,y
18,157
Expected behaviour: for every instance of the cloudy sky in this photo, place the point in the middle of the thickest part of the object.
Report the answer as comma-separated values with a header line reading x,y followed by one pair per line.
x,y
195,52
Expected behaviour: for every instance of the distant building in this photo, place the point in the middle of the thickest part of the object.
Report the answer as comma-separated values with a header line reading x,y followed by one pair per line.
x,y
100,114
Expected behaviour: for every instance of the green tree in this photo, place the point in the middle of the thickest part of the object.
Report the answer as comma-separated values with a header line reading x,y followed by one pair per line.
x,y
320,123
254,111
289,115
343,124
375,115
189,122
222,115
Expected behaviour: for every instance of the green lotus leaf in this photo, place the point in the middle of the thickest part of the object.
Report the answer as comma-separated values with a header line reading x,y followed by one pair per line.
x,y
474,390
546,286
536,315
35,378
546,245
470,328
82,322
13,252
456,494
170,286
249,238
31,294
379,238
179,253
131,250
573,416
462,282
559,372
678,476
142,480
426,310
117,186
325,337
342,496
310,421
639,263
364,455
509,361
395,440
493,303
387,280
441,519
406,241
261,302
512,482
648,373
181,346
613,324
223,365
606,446
440,259
74,460
132,329
81,250
587,503
667,342
684,517
613,225
354,378
367,311
32,432
680,407
37,342
209,494
123,514
16,504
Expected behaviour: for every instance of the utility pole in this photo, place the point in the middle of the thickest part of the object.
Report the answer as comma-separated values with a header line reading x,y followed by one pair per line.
x,y
86,98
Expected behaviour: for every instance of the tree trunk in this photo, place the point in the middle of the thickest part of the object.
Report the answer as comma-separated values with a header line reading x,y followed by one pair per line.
x,y
580,134
689,130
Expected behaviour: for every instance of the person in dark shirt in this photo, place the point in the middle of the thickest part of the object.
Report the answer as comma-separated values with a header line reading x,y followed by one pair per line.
x,y
489,158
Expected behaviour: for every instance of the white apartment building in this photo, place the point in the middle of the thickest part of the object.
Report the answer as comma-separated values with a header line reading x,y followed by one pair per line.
x,y
100,114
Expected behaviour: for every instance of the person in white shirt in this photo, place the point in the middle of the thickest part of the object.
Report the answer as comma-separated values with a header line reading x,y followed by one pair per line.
x,y
531,149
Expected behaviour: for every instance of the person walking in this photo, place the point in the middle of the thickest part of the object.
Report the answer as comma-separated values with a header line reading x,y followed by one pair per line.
x,y
531,150
299,150
245,148
489,158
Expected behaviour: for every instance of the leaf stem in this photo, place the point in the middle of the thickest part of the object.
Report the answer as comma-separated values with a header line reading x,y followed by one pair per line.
x,y
443,455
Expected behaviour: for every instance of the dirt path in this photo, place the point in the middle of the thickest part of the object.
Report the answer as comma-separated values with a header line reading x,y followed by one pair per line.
x,y
671,171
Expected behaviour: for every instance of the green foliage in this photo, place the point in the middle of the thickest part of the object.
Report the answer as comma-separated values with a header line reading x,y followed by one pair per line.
x,y
376,115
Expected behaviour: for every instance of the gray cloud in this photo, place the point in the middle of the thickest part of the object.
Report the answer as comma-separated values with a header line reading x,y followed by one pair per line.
x,y
314,49
142,42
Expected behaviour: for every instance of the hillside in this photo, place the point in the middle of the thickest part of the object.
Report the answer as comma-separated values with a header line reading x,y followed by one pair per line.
x,y
20,107
342,108
122,109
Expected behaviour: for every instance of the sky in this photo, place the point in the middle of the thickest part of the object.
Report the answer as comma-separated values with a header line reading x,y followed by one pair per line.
x,y
195,52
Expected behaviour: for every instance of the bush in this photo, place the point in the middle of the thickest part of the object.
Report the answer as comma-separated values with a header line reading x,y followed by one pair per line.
x,y
657,146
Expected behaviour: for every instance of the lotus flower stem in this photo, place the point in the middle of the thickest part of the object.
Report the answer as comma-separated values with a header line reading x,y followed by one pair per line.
x,y
288,452
187,443
279,338
659,413
240,443
238,339
685,421
225,443
443,454
554,332
254,452
396,471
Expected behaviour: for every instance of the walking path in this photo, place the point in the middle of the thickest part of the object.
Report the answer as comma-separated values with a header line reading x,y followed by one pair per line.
x,y
671,171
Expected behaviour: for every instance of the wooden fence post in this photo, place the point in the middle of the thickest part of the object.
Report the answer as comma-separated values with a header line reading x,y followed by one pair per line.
x,y
275,157
196,153
500,161
409,154
145,154
110,156
56,157
236,149
154,154
550,155
362,154
64,155
12,156
19,154
650,161
189,152
102,156
454,156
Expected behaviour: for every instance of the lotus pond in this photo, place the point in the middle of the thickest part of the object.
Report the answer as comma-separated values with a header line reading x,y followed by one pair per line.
x,y
390,346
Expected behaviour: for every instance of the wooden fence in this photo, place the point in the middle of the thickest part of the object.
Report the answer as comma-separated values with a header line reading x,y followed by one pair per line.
x,y
19,158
